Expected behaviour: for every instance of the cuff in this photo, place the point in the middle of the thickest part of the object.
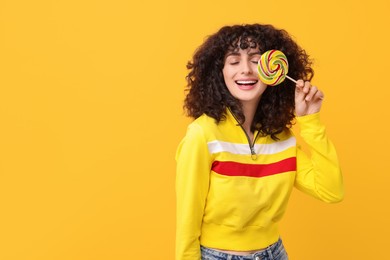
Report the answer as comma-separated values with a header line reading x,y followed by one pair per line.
x,y
310,123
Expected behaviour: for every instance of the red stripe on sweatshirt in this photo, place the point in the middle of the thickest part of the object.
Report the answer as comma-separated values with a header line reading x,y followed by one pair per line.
x,y
254,170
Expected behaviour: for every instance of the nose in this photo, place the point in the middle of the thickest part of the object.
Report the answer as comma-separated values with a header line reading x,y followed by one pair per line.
x,y
247,68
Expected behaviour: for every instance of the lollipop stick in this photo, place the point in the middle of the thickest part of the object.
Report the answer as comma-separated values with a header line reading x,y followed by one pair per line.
x,y
293,80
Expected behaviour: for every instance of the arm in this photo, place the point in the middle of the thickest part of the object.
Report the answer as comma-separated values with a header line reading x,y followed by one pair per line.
x,y
192,185
319,175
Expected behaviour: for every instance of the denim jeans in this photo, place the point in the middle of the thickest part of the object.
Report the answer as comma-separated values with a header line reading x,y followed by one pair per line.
x,y
275,251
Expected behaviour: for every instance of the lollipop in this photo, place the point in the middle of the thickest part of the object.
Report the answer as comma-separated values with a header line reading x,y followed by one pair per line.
x,y
273,67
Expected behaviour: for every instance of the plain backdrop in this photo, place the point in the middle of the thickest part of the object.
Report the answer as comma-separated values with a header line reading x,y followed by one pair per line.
x,y
91,114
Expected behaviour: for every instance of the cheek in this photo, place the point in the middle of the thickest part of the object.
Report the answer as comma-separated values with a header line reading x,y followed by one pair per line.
x,y
228,71
224,72
225,76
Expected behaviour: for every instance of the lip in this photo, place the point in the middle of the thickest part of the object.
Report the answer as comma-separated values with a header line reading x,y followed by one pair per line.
x,y
247,87
248,79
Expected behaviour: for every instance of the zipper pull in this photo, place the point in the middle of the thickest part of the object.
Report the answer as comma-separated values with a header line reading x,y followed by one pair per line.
x,y
253,153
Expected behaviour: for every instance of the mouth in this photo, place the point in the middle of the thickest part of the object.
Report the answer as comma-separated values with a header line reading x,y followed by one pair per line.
x,y
246,84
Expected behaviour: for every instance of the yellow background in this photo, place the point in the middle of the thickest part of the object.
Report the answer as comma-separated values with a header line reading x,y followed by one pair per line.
x,y
90,116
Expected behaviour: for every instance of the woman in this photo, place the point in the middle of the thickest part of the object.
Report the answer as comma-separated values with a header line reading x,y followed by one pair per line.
x,y
238,162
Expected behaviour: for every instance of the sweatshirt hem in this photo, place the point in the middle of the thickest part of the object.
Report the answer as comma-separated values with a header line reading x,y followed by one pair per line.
x,y
245,239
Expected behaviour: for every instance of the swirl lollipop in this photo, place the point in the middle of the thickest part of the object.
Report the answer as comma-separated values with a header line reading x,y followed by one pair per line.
x,y
273,68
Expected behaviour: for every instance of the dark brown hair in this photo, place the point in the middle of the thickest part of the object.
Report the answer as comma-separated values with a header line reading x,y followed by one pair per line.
x,y
208,94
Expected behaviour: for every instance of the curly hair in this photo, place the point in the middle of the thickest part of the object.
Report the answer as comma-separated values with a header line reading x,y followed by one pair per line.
x,y
208,94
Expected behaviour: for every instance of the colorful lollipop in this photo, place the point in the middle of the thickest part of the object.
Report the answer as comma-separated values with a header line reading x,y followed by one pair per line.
x,y
273,68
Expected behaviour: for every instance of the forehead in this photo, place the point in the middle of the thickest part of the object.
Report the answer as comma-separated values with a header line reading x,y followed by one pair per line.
x,y
239,52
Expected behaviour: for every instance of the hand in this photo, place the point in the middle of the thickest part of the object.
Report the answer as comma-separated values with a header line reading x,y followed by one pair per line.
x,y
308,98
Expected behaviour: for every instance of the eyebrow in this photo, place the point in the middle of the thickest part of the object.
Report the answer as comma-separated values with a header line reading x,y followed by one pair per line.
x,y
238,54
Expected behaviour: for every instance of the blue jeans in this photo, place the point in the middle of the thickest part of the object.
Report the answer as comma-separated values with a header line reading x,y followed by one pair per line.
x,y
275,251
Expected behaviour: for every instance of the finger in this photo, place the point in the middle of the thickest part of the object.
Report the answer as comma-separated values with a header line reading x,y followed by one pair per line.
x,y
307,87
311,93
320,95
299,94
300,83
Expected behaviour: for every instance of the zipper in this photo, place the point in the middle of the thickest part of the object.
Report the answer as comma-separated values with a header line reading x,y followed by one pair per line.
x,y
251,145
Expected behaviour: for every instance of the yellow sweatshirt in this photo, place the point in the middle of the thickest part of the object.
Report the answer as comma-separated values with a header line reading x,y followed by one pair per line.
x,y
232,198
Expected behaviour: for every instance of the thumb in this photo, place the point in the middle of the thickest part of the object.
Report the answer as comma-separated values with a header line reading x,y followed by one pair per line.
x,y
299,93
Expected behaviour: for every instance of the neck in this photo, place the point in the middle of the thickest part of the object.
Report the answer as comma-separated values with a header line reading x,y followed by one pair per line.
x,y
249,110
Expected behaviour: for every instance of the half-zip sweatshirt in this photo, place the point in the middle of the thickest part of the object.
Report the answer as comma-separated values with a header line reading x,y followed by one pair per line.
x,y
231,200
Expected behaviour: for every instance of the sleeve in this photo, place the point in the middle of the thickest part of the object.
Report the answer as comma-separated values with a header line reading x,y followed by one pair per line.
x,y
192,185
320,175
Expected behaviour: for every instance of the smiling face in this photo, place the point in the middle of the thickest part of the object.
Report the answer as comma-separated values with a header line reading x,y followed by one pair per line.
x,y
240,75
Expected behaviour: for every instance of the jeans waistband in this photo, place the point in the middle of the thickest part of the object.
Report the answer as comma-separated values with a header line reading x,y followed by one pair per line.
x,y
271,252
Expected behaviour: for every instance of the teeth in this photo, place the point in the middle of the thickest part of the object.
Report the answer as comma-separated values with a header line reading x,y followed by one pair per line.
x,y
244,82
